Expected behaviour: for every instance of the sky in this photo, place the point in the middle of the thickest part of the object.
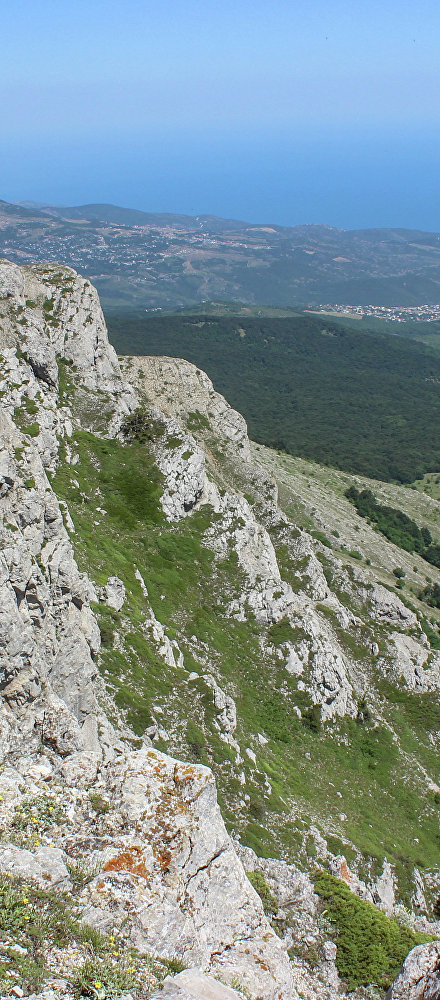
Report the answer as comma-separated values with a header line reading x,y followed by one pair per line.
x,y
294,111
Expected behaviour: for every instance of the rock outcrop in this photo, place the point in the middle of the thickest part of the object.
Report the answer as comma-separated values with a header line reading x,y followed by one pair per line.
x,y
419,977
162,853
84,796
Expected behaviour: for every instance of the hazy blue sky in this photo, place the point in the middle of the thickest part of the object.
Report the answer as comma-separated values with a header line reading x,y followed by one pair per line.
x,y
290,111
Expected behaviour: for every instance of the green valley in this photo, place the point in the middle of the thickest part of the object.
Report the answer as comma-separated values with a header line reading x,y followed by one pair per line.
x,y
367,404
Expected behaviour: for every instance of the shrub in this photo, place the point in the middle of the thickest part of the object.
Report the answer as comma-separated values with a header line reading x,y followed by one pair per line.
x,y
322,537
282,631
312,718
269,901
195,738
107,636
432,634
371,946
140,426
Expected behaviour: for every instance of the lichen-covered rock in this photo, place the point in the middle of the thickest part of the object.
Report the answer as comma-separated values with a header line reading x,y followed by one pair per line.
x,y
164,853
113,593
314,970
194,985
185,394
389,608
172,866
49,635
182,464
182,390
45,867
419,977
413,662
163,871
384,890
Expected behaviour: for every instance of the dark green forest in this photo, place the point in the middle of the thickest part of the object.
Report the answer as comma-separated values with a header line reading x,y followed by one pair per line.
x,y
364,403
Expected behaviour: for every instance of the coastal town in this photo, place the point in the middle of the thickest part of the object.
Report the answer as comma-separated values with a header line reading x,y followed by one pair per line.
x,y
396,314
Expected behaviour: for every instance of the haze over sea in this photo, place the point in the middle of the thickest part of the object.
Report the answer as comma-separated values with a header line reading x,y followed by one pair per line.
x,y
304,112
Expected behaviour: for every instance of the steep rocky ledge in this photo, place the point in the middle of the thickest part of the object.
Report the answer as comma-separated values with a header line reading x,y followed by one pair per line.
x,y
97,681
160,851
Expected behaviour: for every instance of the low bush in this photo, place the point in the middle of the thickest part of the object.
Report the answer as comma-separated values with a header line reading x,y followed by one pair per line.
x,y
371,946
269,901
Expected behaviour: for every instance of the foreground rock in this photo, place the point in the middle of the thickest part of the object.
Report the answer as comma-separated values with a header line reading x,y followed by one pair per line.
x,y
165,857
419,977
193,985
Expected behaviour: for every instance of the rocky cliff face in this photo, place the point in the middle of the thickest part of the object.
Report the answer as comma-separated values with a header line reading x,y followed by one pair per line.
x,y
156,603
161,851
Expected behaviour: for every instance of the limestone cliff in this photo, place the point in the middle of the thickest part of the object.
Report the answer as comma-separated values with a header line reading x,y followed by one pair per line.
x,y
157,603
160,851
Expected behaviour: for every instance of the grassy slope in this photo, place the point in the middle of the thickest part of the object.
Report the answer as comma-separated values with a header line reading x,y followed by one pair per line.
x,y
345,778
312,496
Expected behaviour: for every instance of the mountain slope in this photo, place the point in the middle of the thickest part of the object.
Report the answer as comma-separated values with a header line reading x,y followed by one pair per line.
x,y
159,601
116,824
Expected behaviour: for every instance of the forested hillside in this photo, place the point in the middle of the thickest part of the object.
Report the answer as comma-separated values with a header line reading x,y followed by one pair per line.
x,y
365,403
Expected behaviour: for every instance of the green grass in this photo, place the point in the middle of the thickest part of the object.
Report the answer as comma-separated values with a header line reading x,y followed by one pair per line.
x,y
39,921
282,632
190,593
260,885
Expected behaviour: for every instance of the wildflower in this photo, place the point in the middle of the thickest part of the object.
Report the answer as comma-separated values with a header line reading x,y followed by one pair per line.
x,y
115,953
25,899
98,985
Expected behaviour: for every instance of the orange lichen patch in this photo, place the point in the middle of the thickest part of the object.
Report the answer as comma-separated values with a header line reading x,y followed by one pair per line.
x,y
185,775
345,871
100,886
183,772
164,859
131,860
